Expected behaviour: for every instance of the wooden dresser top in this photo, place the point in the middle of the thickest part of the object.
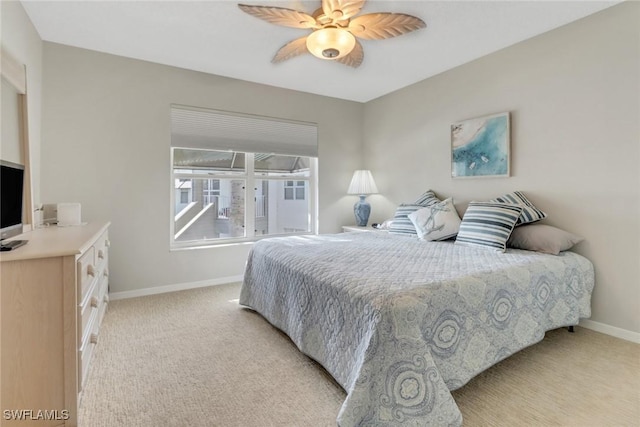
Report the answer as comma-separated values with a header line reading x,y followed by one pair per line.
x,y
55,241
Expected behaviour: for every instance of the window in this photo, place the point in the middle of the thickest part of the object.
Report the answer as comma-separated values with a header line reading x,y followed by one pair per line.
x,y
222,195
295,190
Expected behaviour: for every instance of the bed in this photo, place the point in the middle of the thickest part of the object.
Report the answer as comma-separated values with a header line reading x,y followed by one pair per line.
x,y
400,322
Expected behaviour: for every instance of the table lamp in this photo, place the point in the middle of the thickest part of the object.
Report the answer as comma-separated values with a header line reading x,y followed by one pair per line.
x,y
362,184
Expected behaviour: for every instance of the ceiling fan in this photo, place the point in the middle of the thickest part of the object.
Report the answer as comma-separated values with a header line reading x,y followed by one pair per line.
x,y
334,29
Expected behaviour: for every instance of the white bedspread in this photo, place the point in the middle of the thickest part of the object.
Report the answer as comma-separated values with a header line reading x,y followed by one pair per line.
x,y
400,322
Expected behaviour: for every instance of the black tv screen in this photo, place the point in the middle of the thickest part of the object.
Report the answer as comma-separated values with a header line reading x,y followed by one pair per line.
x,y
11,190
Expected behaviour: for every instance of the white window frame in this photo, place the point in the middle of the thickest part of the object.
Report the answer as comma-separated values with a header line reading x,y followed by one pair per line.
x,y
294,186
250,177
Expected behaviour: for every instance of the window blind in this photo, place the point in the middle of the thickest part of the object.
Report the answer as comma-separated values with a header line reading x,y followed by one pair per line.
x,y
220,130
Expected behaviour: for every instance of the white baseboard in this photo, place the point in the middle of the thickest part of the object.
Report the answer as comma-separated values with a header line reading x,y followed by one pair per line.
x,y
611,330
172,288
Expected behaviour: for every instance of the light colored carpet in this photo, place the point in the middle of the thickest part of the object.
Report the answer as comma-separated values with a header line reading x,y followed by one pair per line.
x,y
196,358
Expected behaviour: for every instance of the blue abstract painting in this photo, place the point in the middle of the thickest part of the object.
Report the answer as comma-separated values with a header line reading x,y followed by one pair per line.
x,y
480,147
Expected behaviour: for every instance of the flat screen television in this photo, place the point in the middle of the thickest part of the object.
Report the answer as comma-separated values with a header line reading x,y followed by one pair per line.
x,y
11,191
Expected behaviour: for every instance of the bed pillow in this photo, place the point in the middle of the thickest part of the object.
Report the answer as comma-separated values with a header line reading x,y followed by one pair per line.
x,y
427,199
439,221
542,238
529,212
401,223
488,225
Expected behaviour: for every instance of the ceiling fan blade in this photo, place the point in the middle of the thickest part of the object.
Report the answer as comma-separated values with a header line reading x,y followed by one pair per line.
x,y
341,9
291,49
354,59
378,26
280,16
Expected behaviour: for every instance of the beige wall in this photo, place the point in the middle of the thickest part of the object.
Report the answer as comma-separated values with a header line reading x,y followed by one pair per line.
x,y
106,145
574,95
21,40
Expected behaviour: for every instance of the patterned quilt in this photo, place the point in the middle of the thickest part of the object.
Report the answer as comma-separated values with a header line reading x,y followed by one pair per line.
x,y
399,322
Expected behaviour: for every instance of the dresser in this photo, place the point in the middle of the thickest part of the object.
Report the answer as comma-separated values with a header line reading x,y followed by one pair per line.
x,y
53,297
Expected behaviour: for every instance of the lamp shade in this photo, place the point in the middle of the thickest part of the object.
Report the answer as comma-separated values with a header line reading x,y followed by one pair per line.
x,y
362,183
330,43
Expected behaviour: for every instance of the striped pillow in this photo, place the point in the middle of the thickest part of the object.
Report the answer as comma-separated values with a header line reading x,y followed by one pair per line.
x,y
488,224
529,212
401,223
427,199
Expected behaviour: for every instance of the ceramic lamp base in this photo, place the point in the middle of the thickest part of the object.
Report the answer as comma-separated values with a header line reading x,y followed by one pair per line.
x,y
361,210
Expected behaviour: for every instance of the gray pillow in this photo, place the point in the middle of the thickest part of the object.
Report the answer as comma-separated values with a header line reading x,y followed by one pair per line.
x,y
542,238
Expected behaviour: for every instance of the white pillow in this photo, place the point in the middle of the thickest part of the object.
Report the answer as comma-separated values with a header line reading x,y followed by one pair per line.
x,y
436,222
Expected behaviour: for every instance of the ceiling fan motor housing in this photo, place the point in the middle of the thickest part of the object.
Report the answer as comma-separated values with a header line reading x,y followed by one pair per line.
x,y
330,53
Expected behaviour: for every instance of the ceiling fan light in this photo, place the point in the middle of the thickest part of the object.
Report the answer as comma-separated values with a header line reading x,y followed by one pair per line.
x,y
330,43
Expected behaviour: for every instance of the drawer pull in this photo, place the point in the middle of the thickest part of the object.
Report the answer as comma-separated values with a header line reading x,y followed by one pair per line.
x,y
107,243
91,271
106,272
100,254
93,339
94,302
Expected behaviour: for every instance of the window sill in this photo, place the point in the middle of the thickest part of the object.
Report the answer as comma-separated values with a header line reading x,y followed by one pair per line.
x,y
228,242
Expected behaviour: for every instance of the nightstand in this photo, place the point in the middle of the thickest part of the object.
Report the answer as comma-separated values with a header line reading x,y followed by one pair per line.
x,y
357,229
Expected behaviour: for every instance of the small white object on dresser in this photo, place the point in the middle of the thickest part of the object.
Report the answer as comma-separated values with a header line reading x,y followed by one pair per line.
x,y
54,297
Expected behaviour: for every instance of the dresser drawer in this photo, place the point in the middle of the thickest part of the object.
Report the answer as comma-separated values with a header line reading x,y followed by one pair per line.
x,y
84,357
102,309
103,272
103,292
86,272
102,250
89,342
88,306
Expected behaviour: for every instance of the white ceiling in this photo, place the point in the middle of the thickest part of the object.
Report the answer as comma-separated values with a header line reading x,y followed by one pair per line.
x,y
218,38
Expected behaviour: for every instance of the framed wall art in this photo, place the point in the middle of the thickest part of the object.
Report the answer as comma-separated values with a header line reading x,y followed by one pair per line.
x,y
480,147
